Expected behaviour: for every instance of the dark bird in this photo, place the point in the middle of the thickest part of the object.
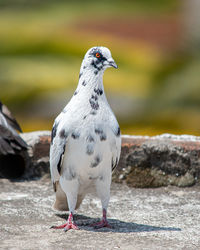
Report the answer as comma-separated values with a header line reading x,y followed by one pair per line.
x,y
12,146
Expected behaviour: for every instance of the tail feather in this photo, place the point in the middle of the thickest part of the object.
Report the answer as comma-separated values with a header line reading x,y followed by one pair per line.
x,y
61,199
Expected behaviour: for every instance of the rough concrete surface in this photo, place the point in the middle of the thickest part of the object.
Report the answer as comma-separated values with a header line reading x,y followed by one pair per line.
x,y
161,218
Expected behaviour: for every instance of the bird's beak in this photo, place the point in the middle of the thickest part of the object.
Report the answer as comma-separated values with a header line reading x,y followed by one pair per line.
x,y
112,63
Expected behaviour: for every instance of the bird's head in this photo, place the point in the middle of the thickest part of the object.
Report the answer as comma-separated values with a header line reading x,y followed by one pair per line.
x,y
98,59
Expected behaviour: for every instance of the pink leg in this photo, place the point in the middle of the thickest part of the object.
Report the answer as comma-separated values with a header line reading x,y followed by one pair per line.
x,y
69,225
103,222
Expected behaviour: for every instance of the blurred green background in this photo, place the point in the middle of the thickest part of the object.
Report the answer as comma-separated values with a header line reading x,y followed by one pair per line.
x,y
155,44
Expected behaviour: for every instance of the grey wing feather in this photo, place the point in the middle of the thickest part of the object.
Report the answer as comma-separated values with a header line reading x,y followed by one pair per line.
x,y
10,119
116,146
57,150
116,153
10,143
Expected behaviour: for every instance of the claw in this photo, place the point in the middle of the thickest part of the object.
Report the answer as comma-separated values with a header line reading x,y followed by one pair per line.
x,y
59,227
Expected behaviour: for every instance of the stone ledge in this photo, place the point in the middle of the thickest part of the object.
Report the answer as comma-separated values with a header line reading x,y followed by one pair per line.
x,y
145,161
159,161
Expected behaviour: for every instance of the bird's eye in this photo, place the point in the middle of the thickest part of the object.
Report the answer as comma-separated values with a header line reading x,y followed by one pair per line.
x,y
98,55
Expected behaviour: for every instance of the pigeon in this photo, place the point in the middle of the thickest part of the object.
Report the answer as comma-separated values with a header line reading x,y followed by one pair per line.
x,y
85,141
11,144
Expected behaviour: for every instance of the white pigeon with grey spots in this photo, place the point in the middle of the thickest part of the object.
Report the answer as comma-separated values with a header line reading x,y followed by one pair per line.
x,y
86,141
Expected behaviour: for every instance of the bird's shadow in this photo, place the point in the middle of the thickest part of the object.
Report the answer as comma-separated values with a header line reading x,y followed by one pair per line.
x,y
118,226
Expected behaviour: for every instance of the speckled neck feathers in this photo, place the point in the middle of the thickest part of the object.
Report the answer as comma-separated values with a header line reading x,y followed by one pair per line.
x,y
90,83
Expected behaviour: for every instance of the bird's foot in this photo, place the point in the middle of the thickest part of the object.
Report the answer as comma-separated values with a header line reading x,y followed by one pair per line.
x,y
69,225
103,222
100,224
